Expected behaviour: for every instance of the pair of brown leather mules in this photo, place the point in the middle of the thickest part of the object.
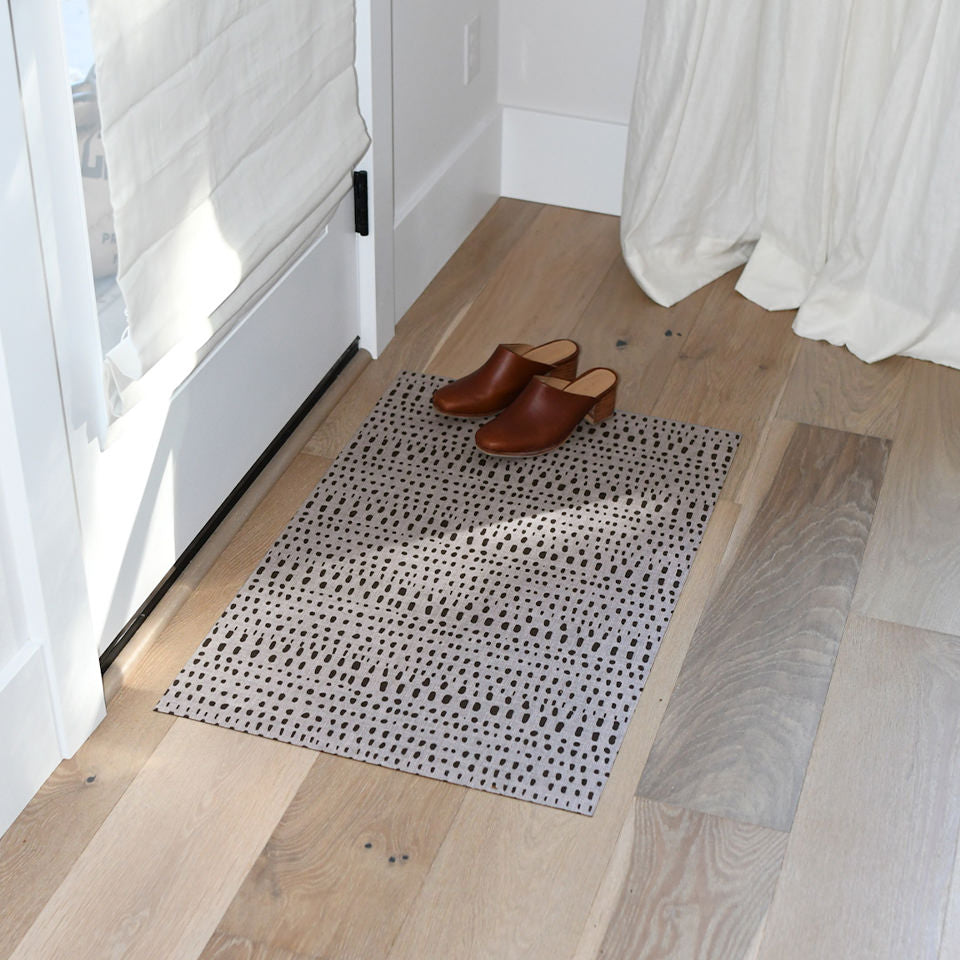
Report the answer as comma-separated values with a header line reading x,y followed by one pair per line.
x,y
536,393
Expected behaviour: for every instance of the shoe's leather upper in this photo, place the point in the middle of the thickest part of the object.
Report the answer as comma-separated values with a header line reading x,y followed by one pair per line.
x,y
541,418
493,386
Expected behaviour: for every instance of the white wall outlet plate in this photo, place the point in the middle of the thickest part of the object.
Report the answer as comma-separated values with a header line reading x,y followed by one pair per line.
x,y
471,49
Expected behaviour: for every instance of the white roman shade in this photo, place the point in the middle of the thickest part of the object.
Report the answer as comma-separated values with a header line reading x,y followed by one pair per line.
x,y
231,128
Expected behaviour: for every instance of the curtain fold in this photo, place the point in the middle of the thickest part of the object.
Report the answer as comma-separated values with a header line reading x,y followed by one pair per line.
x,y
230,130
816,142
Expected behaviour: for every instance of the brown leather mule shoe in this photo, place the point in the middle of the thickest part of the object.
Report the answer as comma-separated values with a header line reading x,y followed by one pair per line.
x,y
501,379
545,414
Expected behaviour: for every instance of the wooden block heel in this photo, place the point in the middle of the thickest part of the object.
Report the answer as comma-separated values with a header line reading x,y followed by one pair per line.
x,y
604,407
567,370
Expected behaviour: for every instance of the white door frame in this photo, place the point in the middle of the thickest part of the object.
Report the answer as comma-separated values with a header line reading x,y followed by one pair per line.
x,y
51,695
375,253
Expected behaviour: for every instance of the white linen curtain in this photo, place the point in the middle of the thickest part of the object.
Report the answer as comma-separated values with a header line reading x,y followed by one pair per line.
x,y
818,140
231,128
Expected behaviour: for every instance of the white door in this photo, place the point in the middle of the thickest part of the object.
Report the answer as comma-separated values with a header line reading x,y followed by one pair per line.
x,y
51,697
147,484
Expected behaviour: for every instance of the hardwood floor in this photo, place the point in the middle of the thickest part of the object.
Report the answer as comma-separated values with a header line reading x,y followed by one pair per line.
x,y
801,796
698,886
740,726
879,803
340,885
911,572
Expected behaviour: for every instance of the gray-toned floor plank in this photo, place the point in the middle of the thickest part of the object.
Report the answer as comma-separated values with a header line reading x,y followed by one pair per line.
x,y
950,940
868,864
911,570
740,725
698,887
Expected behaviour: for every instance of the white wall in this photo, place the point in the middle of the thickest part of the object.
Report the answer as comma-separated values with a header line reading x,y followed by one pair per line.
x,y
446,149
566,80
569,57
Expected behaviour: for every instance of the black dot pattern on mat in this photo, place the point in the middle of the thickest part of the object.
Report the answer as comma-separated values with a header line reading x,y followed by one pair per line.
x,y
485,621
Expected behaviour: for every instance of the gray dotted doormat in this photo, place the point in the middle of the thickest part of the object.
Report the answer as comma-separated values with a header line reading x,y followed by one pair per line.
x,y
486,621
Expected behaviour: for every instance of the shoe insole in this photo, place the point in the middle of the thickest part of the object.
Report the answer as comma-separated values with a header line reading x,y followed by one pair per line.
x,y
592,383
554,352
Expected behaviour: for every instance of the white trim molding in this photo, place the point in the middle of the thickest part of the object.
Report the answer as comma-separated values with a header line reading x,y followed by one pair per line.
x,y
564,161
443,212
375,264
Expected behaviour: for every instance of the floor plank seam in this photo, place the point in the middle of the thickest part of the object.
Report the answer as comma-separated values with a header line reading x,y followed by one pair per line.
x,y
953,885
816,733
415,900
855,433
63,880
451,328
771,417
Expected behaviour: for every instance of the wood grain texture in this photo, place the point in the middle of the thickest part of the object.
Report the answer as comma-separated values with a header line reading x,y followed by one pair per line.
x,y
604,907
830,387
517,880
339,872
433,319
42,845
738,732
468,271
753,951
174,850
950,939
225,947
867,870
731,372
622,328
698,889
539,291
911,571
758,479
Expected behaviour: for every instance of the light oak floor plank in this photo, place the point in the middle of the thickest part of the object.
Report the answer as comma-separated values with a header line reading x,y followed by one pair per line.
x,y
911,571
759,478
540,290
223,947
698,888
517,880
42,845
741,721
603,910
344,864
830,387
174,850
622,328
868,864
432,320
731,372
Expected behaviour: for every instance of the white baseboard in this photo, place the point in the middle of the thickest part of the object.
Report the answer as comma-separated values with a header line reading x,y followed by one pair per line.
x,y
564,161
29,751
430,227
